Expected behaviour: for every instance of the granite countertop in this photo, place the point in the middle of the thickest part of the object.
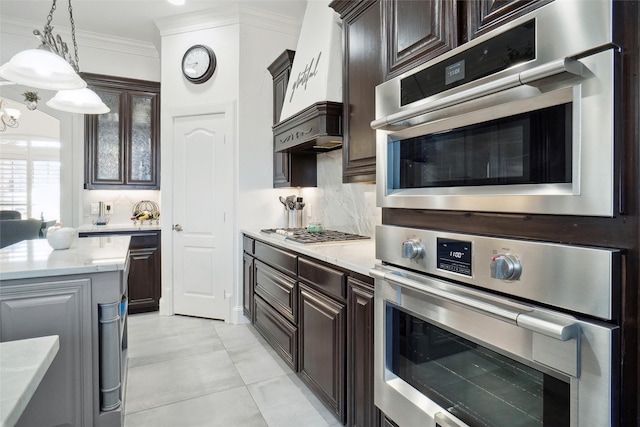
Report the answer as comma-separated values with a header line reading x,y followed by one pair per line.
x,y
355,255
125,226
35,258
23,364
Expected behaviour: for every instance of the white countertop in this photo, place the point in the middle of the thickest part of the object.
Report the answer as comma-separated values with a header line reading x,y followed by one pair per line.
x,y
35,258
354,255
23,364
126,226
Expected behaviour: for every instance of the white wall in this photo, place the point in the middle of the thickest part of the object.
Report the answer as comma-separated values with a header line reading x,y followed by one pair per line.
x,y
245,42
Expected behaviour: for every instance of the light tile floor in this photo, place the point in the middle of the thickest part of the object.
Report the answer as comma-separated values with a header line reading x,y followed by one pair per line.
x,y
186,371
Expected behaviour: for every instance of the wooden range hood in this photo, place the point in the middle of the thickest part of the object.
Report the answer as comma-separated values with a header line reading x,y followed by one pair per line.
x,y
317,128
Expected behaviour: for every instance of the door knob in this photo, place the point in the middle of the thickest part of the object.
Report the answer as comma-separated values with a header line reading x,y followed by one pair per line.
x,y
177,227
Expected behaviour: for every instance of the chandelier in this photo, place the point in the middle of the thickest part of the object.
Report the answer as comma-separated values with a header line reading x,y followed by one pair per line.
x,y
8,116
52,66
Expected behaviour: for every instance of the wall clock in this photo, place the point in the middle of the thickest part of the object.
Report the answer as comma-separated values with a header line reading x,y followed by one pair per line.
x,y
198,63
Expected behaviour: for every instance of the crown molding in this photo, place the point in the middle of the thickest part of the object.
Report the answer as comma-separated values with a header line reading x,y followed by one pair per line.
x,y
234,14
23,27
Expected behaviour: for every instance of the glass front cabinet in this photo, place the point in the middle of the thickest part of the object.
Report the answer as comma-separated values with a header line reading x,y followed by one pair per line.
x,y
122,147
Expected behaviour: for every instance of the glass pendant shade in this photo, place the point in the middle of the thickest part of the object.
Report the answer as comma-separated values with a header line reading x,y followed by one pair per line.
x,y
84,101
40,68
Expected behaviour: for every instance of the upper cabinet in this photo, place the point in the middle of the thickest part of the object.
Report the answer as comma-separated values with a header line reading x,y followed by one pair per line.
x,y
485,15
289,169
417,31
123,146
363,70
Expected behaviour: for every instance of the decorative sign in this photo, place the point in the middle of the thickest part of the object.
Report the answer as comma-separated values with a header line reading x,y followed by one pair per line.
x,y
310,70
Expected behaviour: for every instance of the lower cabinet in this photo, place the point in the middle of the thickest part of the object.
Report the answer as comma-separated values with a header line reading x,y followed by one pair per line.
x,y
247,285
322,347
319,319
145,277
62,308
278,332
362,411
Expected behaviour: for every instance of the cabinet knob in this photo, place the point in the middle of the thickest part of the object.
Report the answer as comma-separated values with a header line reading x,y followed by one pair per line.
x,y
177,227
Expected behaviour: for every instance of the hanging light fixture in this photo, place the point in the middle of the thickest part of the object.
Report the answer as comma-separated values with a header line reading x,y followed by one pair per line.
x,y
51,66
83,101
8,117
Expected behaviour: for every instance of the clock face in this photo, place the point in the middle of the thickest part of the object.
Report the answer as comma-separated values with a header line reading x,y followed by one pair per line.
x,y
198,63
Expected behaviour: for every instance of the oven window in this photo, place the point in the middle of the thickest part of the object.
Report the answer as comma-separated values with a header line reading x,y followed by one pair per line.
x,y
477,385
528,148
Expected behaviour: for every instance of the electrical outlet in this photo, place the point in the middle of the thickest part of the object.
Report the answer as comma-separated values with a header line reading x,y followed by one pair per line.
x,y
108,208
95,209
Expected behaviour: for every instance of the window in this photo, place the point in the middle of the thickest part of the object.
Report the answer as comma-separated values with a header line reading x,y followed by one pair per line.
x,y
30,176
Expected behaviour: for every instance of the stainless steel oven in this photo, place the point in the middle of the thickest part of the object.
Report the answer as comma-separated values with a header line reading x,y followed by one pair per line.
x,y
518,120
481,331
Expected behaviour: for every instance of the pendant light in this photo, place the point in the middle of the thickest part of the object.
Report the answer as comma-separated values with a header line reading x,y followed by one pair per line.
x,y
51,66
83,101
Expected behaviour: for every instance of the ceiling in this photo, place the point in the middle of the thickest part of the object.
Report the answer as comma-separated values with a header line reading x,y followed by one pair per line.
x,y
130,19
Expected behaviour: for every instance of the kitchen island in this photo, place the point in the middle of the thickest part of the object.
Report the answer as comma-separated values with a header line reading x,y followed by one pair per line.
x,y
79,294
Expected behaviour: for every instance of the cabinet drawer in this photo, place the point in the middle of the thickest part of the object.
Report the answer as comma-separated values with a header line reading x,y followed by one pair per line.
x,y
281,334
277,258
326,279
277,289
247,244
145,240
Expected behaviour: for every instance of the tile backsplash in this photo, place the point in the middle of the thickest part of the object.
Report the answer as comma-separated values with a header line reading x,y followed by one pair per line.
x,y
121,201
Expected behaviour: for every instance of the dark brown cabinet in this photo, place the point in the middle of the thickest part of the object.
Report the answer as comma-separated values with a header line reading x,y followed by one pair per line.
x,y
361,409
485,15
275,299
122,146
248,268
417,31
363,70
322,352
289,169
145,277
319,319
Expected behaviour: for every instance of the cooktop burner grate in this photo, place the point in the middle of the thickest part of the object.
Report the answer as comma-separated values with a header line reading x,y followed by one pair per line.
x,y
301,235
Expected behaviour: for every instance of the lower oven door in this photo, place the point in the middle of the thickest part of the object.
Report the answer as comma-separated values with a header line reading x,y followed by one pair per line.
x,y
447,355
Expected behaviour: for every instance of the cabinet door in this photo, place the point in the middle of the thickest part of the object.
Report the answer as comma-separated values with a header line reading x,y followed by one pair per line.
x,y
322,347
65,395
363,71
247,285
360,407
485,15
122,146
417,31
144,277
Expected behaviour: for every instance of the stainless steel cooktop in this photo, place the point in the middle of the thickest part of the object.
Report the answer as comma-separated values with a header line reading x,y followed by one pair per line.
x,y
302,235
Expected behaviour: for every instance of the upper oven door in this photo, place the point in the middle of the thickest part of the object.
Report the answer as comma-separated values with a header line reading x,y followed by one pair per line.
x,y
533,136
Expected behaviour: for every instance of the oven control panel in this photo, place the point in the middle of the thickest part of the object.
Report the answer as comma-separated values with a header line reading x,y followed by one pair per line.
x,y
577,278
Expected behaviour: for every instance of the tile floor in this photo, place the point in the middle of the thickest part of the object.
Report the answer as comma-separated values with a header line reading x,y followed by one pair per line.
x,y
186,371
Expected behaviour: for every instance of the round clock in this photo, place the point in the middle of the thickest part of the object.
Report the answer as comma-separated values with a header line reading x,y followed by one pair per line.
x,y
198,63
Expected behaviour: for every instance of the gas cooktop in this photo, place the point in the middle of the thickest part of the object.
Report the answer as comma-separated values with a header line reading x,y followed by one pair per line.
x,y
302,235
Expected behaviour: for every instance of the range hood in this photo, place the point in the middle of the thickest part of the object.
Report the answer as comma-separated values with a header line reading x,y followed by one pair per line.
x,y
311,118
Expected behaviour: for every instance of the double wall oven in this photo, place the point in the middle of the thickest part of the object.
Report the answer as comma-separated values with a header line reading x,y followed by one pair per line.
x,y
482,329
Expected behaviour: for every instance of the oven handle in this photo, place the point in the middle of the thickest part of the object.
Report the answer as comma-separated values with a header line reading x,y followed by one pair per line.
x,y
559,66
561,328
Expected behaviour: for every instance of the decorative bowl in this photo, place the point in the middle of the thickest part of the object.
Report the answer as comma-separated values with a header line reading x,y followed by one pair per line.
x,y
61,237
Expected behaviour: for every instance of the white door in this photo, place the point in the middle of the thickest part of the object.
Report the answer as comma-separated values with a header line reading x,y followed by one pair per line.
x,y
202,215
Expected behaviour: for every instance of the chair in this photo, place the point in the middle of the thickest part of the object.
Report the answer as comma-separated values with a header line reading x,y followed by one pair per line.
x,y
16,230
10,215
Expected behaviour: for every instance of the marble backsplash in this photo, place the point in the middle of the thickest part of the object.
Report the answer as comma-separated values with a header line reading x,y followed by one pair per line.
x,y
122,202
344,207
